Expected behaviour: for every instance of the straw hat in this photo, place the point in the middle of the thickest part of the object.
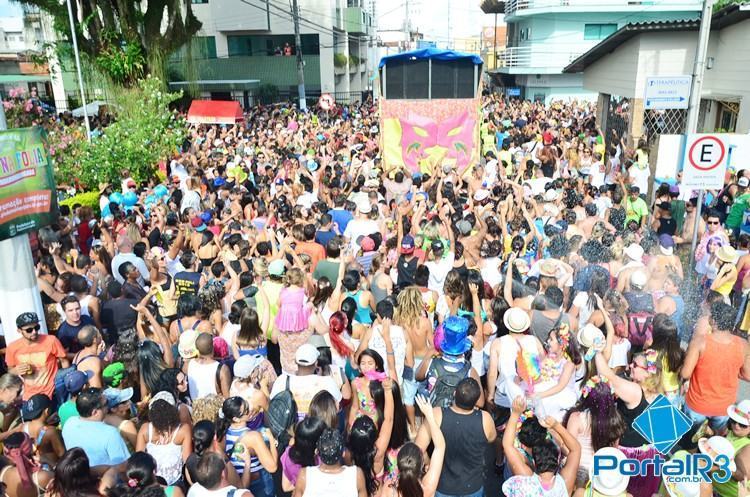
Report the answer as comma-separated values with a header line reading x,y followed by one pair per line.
x,y
727,253
548,268
609,482
186,346
589,335
516,320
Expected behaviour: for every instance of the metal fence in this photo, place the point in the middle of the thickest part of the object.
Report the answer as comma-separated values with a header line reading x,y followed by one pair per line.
x,y
252,98
663,122
618,119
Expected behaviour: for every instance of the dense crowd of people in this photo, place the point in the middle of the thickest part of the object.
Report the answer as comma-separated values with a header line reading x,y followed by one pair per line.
x,y
288,316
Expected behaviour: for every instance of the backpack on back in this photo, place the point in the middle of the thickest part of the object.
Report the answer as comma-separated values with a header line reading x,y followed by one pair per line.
x,y
446,381
640,327
281,415
640,319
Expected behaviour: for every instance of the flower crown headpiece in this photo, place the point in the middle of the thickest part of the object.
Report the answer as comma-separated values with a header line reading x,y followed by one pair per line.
x,y
592,383
563,335
651,356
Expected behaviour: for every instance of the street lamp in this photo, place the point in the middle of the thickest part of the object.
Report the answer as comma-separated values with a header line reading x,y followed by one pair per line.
x,y
78,70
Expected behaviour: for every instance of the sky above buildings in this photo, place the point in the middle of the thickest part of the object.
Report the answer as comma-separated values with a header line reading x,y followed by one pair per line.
x,y
438,20
9,9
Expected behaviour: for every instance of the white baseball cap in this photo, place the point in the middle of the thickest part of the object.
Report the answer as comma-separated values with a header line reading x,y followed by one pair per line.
x,y
306,355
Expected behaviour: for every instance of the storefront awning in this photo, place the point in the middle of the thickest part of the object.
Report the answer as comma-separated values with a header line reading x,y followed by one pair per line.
x,y
214,112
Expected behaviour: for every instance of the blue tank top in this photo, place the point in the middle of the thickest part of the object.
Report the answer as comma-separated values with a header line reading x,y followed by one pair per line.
x,y
259,351
363,313
233,436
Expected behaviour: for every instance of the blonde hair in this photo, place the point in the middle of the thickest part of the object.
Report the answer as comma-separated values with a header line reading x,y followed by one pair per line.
x,y
617,250
410,307
133,233
207,408
260,267
294,276
653,382
431,231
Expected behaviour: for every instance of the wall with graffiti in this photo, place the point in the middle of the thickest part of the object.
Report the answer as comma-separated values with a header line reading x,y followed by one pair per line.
x,y
420,134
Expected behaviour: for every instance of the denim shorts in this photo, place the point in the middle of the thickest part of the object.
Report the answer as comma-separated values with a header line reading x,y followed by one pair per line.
x,y
409,385
478,493
717,423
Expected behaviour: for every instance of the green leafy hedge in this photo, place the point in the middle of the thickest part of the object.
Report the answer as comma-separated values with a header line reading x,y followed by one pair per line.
x,y
90,199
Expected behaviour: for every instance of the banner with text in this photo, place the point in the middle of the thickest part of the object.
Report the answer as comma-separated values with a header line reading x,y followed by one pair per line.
x,y
27,184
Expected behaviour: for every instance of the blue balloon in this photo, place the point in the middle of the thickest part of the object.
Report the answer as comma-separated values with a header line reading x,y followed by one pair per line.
x,y
130,199
116,197
151,199
105,211
161,191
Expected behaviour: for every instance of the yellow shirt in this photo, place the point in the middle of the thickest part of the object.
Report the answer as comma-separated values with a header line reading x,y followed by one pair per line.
x,y
726,288
670,380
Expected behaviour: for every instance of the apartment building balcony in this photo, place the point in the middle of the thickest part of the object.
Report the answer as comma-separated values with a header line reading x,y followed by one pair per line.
x,y
278,71
357,21
531,7
534,59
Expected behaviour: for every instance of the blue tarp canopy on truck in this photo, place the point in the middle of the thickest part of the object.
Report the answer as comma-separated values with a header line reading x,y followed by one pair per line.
x,y
431,53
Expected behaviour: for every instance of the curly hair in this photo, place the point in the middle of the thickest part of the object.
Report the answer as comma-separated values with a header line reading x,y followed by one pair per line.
x,y
207,408
125,351
210,297
164,417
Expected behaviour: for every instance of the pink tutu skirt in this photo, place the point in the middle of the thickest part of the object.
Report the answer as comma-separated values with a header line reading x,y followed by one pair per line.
x,y
292,321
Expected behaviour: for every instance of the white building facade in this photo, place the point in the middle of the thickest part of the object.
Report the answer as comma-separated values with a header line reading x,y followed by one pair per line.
x,y
249,46
618,69
545,36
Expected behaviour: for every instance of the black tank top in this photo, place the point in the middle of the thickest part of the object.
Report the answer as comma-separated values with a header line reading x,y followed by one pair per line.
x,y
631,438
187,282
667,227
465,452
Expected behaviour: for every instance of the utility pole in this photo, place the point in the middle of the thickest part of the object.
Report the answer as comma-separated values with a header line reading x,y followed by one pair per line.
x,y
300,62
78,70
407,26
699,69
494,45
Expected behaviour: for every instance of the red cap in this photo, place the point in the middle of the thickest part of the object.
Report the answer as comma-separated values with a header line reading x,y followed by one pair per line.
x,y
131,182
367,244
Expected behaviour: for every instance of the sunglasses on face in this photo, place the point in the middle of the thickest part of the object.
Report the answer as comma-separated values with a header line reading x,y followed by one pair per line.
x,y
712,222
635,365
32,329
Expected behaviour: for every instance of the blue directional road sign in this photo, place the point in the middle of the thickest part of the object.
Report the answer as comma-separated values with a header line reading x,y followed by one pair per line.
x,y
667,92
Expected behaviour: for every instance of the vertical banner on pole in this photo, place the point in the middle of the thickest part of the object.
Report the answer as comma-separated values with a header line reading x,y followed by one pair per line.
x,y
27,203
27,184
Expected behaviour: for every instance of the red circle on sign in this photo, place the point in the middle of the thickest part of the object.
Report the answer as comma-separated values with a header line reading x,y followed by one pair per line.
x,y
699,140
326,101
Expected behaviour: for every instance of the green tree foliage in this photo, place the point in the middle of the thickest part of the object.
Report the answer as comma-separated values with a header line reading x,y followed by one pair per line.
x,y
146,132
125,38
